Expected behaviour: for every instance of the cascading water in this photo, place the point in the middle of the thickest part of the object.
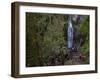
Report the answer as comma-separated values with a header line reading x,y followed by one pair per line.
x,y
70,33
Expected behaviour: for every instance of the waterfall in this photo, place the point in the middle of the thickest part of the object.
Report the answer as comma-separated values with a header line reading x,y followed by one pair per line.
x,y
70,33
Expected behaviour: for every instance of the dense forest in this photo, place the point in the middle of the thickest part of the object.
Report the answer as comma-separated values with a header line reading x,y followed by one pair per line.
x,y
46,39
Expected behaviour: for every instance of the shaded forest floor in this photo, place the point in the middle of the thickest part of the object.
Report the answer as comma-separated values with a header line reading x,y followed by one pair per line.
x,y
74,58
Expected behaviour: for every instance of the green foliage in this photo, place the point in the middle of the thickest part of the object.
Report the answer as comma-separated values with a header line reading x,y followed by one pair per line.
x,y
85,34
84,29
46,36
85,48
84,26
